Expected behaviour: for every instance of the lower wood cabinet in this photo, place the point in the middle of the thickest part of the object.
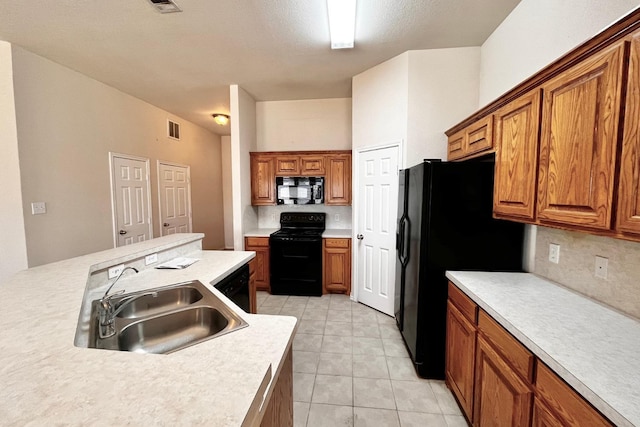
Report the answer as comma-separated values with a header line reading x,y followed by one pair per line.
x,y
261,266
502,397
499,382
279,412
460,357
336,262
253,303
562,405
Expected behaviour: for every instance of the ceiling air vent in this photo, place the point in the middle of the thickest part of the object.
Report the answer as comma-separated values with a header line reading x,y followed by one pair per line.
x,y
173,129
165,6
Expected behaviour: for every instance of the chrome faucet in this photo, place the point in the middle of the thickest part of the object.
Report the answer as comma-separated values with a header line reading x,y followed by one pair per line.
x,y
108,311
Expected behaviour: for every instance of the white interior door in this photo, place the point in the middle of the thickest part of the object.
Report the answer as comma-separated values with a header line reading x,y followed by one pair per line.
x,y
174,186
376,227
131,204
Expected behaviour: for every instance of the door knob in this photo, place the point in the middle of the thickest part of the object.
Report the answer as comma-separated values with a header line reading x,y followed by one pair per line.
x,y
122,232
166,224
360,237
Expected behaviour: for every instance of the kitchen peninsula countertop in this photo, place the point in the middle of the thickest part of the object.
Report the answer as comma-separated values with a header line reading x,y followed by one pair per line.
x,y
341,233
46,379
592,347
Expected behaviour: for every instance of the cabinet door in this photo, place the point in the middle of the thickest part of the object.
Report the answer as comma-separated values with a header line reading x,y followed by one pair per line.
x,y
312,165
262,180
516,140
578,144
502,398
338,184
262,274
337,266
460,357
253,303
628,215
287,165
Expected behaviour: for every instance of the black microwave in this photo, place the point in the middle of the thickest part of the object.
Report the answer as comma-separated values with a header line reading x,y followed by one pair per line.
x,y
300,190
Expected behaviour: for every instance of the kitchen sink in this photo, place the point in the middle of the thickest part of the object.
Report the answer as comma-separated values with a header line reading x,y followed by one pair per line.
x,y
163,300
164,320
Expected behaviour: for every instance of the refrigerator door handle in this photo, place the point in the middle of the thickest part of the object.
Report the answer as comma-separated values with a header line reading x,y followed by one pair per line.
x,y
406,248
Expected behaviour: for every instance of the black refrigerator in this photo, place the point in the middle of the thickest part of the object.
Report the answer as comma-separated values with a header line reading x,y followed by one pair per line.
x,y
444,223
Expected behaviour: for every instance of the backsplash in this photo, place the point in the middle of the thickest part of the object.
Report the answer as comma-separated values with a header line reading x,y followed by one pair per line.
x,y
576,267
338,217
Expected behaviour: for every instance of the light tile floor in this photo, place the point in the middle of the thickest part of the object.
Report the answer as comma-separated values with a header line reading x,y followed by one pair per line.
x,y
351,368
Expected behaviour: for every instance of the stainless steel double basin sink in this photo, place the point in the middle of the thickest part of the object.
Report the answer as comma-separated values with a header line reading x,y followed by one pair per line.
x,y
167,319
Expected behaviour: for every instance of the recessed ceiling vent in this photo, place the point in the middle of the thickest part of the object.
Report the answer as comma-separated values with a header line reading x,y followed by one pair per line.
x,y
165,6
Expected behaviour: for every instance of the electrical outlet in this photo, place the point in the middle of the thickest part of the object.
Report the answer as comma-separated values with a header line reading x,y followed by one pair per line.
x,y
38,208
115,271
337,217
554,253
601,267
273,217
150,259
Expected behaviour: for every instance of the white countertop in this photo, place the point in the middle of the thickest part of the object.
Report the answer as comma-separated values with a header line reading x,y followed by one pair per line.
x,y
329,232
592,347
46,379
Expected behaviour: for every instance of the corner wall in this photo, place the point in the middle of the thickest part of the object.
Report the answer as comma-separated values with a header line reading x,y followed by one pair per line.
x,y
536,33
13,245
67,123
243,141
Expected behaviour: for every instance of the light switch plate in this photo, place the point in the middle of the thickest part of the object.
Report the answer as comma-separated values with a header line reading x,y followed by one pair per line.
x,y
554,253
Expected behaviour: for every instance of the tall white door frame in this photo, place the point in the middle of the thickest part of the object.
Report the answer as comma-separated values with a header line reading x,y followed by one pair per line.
x,y
357,173
145,198
174,223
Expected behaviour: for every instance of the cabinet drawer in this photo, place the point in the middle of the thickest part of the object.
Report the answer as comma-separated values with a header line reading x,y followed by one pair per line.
x,y
480,136
337,243
568,405
520,358
312,165
288,165
256,241
463,303
456,146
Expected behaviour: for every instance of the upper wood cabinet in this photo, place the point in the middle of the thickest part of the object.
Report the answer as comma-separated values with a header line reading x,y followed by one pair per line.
x,y
516,139
263,180
578,142
628,214
338,183
335,166
475,139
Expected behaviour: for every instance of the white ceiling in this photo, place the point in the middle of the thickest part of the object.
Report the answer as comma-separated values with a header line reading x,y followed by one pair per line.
x,y
274,49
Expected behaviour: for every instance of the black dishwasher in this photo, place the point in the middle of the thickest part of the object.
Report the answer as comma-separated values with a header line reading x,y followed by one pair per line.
x,y
236,287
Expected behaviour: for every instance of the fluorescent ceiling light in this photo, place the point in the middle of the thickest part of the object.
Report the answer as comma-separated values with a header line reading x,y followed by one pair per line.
x,y
342,23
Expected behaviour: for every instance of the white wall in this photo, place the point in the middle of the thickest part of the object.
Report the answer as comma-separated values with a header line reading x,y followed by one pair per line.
x,y
380,103
243,141
443,89
538,32
415,97
13,246
227,190
67,123
535,34
313,124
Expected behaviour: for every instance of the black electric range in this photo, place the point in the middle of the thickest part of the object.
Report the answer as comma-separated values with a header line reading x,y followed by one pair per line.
x,y
296,254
